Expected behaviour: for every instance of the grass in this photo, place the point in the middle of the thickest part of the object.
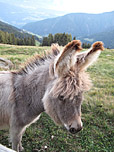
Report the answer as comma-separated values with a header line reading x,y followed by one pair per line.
x,y
19,54
97,111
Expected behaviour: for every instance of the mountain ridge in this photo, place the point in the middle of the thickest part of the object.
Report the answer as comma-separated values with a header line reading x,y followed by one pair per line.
x,y
18,16
77,24
84,26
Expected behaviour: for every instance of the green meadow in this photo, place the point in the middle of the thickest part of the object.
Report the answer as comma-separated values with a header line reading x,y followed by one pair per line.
x,y
97,110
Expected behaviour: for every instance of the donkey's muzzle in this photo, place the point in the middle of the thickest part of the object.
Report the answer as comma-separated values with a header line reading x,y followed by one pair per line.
x,y
74,131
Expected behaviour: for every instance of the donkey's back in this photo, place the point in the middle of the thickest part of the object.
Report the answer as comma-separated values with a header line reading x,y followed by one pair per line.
x,y
5,103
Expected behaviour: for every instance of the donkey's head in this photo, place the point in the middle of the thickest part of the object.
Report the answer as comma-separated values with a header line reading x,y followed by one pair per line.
x,y
63,97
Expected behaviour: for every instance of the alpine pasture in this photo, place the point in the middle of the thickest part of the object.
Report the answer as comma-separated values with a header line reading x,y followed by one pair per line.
x,y
97,110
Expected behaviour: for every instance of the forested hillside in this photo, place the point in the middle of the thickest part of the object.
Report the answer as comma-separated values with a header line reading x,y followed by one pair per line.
x,y
9,38
107,37
17,32
12,35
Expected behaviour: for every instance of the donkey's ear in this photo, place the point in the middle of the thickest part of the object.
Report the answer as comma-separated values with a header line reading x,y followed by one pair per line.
x,y
90,56
55,48
66,58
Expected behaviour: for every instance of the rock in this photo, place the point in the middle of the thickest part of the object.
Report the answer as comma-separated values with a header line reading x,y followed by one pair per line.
x,y
5,149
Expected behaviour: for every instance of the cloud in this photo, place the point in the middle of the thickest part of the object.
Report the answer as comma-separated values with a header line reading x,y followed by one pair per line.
x,y
28,7
87,6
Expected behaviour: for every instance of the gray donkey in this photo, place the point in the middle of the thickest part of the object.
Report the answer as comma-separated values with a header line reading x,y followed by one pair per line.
x,y
54,84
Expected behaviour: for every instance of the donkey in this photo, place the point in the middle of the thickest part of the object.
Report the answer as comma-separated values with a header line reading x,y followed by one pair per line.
x,y
54,84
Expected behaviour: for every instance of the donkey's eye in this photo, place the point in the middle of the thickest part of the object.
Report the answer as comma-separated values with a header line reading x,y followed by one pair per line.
x,y
61,98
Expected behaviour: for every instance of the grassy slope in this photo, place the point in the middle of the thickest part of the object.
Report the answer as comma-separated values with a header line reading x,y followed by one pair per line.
x,y
97,111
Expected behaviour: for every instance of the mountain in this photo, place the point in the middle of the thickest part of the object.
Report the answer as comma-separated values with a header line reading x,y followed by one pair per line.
x,y
18,14
107,37
17,32
78,24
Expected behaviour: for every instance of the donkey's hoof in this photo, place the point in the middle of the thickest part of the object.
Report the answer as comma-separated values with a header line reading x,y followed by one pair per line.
x,y
21,149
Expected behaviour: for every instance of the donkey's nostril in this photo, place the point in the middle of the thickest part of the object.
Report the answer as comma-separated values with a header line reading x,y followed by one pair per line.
x,y
73,130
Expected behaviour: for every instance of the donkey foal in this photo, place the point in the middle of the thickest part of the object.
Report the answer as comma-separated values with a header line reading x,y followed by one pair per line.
x,y
53,84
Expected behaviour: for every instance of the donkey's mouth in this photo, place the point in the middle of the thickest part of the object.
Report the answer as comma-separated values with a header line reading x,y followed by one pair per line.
x,y
66,126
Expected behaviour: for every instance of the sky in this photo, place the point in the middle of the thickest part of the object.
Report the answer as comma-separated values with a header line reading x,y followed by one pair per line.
x,y
68,6
86,6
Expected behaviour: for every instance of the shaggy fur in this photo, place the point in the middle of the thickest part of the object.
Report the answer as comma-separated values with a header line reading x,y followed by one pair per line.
x,y
71,85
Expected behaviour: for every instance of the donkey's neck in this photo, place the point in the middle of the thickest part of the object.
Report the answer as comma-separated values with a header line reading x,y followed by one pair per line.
x,y
30,89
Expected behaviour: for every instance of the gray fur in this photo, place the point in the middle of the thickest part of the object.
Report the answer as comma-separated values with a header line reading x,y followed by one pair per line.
x,y
21,100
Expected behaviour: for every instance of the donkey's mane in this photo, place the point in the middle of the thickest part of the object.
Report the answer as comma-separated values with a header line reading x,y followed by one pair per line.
x,y
37,60
33,63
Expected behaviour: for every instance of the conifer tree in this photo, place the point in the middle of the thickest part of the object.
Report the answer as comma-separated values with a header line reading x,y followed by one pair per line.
x,y
33,41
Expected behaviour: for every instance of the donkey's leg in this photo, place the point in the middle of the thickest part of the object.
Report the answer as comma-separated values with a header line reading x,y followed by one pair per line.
x,y
16,136
20,144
